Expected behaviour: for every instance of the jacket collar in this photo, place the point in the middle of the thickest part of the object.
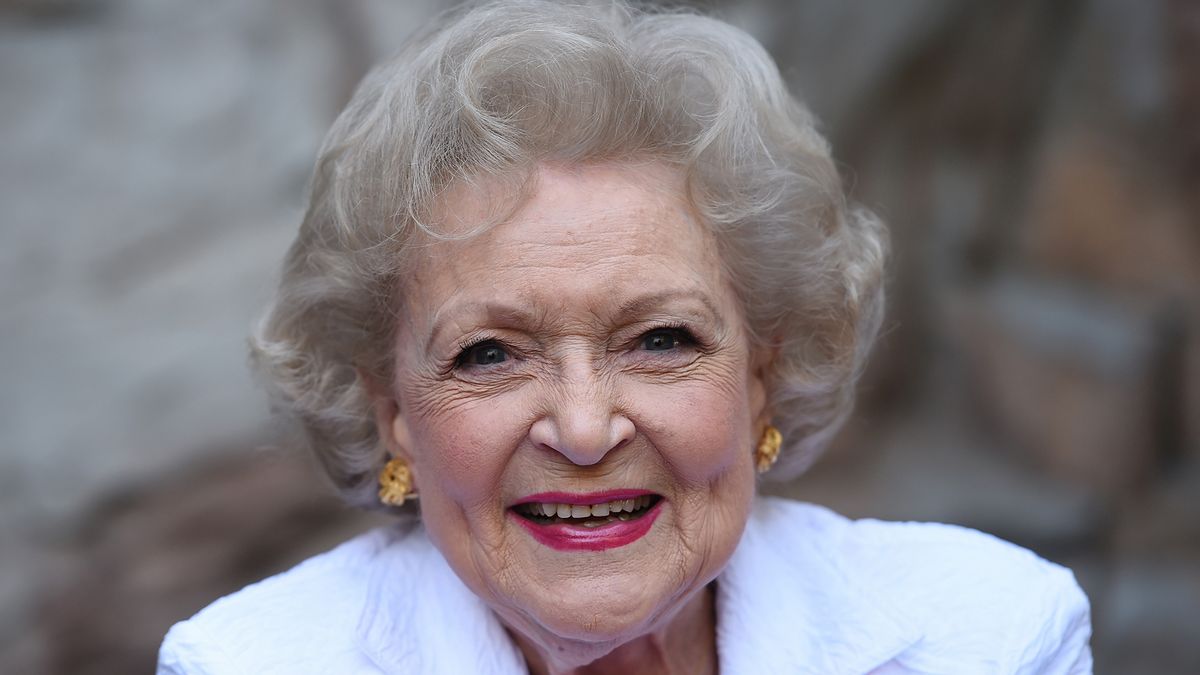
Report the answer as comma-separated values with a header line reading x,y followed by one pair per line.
x,y
420,618
787,602
790,602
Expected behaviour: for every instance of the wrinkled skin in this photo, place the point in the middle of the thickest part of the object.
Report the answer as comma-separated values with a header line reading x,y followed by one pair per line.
x,y
613,355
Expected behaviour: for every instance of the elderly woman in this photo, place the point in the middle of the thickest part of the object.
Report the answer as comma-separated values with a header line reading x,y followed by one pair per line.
x,y
570,279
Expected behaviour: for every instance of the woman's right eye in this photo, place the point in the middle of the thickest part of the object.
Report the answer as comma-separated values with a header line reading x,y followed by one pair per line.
x,y
487,353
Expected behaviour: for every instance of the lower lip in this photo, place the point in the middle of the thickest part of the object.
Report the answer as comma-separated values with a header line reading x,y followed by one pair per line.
x,y
564,537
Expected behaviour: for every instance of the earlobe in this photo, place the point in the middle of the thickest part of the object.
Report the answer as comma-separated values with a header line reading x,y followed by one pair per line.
x,y
396,479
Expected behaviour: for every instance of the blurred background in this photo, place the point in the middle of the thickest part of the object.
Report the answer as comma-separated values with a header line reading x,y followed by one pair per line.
x,y
1039,376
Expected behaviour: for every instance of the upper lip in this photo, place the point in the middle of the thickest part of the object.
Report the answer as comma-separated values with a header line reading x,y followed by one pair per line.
x,y
582,498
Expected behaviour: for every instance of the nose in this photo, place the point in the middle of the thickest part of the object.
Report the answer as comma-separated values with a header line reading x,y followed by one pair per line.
x,y
583,423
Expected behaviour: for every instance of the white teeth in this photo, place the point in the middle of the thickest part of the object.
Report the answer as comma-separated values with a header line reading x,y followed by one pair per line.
x,y
617,508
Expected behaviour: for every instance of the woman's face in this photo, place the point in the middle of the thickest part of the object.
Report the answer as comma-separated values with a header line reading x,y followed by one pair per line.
x,y
586,359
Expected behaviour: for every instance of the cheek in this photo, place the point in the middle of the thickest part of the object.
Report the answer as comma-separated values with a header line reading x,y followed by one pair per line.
x,y
702,430
462,454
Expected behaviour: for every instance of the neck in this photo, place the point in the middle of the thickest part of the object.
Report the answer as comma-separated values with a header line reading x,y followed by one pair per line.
x,y
686,644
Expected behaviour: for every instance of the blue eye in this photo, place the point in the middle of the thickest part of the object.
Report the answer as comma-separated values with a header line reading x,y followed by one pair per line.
x,y
665,339
487,353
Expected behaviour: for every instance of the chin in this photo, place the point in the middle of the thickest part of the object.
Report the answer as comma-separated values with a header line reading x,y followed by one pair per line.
x,y
584,639
596,611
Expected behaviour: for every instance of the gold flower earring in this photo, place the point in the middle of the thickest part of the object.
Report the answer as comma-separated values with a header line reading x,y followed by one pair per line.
x,y
768,449
395,483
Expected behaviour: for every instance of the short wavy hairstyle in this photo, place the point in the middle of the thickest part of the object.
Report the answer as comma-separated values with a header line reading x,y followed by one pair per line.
x,y
489,91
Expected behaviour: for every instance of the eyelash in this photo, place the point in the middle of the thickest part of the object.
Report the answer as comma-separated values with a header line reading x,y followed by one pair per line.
x,y
466,347
683,334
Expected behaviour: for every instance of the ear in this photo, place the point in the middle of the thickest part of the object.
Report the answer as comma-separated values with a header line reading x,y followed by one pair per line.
x,y
390,422
762,367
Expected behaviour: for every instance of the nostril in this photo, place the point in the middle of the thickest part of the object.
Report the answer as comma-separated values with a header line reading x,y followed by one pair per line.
x,y
544,434
623,431
583,439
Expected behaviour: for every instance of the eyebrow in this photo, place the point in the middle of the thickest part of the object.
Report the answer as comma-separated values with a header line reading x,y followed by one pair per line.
x,y
492,311
646,303
500,312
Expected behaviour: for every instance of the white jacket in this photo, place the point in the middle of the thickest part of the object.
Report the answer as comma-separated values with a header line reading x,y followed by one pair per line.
x,y
807,591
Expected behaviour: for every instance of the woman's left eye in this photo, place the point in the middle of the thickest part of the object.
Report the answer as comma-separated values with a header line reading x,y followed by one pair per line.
x,y
487,353
665,339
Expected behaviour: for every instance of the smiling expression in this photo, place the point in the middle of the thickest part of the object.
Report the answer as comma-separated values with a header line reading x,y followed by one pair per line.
x,y
589,354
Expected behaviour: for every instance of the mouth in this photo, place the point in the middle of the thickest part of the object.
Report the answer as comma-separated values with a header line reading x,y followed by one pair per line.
x,y
585,515
588,522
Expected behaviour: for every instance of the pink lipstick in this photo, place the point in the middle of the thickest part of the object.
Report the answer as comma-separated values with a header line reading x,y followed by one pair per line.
x,y
595,521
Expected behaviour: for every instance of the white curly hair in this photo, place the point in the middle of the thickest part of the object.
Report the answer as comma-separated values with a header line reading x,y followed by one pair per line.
x,y
492,90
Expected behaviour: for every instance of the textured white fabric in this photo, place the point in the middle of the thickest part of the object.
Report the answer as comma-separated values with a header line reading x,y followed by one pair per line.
x,y
807,591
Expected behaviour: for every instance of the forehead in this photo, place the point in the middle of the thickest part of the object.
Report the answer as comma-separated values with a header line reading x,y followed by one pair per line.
x,y
585,235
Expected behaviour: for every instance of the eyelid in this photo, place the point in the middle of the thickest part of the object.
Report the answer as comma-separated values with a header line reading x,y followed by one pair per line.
x,y
469,343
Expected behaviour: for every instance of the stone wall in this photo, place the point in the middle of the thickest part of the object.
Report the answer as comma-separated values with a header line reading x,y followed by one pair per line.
x,y
1039,376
